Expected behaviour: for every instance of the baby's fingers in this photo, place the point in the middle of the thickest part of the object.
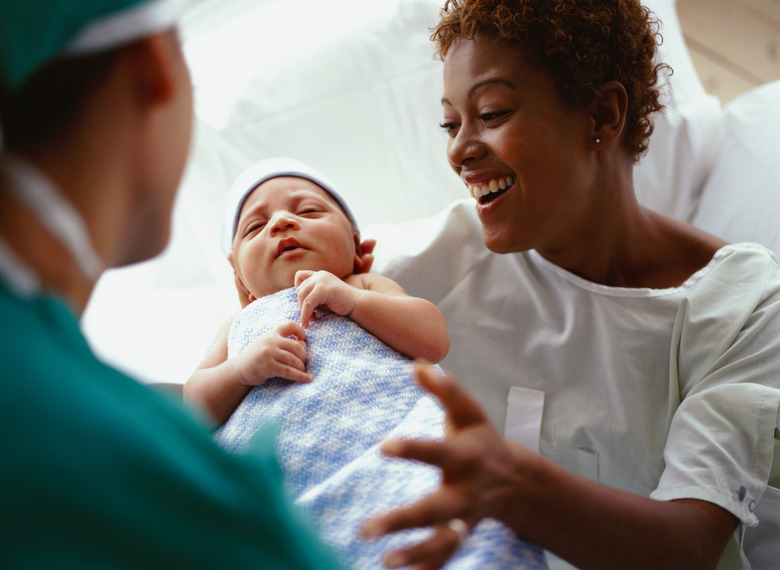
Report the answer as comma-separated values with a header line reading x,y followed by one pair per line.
x,y
291,361
308,302
301,276
290,373
291,329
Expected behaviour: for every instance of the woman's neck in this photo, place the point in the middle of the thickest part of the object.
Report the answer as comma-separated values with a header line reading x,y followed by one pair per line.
x,y
635,247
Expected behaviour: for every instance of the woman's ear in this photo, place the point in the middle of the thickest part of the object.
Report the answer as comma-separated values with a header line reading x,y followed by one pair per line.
x,y
608,113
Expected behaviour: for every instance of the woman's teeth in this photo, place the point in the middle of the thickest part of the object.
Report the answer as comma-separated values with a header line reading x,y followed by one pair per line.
x,y
479,190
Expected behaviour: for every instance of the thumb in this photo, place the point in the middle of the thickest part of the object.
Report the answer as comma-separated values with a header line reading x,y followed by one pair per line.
x,y
460,407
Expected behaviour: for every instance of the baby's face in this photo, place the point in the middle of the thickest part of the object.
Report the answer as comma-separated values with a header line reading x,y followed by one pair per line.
x,y
288,224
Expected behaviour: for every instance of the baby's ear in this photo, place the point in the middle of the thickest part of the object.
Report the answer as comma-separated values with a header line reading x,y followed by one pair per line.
x,y
244,295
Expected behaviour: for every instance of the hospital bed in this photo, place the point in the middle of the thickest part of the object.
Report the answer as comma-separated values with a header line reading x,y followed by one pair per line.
x,y
352,87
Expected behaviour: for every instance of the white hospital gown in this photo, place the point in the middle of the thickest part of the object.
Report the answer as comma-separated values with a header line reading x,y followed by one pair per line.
x,y
668,393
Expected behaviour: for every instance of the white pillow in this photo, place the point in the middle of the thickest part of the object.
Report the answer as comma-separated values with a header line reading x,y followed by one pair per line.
x,y
358,99
741,202
356,96
741,199
687,135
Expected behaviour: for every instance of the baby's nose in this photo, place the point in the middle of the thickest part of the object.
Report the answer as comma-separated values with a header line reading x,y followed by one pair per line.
x,y
283,221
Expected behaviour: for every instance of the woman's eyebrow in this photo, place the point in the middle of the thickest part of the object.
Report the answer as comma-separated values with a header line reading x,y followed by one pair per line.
x,y
477,86
491,81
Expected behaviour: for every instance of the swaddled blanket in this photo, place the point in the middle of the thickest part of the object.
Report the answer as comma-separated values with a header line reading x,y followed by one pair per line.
x,y
329,431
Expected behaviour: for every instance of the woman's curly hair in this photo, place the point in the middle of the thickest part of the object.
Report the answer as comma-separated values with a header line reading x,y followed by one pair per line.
x,y
581,43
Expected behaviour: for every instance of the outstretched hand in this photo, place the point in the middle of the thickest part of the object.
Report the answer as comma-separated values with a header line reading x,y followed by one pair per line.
x,y
479,476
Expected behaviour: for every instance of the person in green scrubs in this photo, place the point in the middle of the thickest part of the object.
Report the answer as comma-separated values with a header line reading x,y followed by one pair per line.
x,y
99,470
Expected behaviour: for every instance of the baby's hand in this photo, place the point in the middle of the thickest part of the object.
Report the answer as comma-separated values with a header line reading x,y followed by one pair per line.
x,y
275,354
323,289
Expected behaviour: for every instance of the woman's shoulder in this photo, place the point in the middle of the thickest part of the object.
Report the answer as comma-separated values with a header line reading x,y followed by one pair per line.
x,y
740,276
744,261
685,252
730,312
678,254
747,251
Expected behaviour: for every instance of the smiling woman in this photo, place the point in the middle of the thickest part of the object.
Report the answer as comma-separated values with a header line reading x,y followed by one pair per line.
x,y
507,121
512,112
641,337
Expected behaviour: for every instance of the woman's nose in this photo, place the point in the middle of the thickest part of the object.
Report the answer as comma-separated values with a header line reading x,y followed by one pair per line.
x,y
464,146
283,221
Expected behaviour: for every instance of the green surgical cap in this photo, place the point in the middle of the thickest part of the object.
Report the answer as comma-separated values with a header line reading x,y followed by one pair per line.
x,y
34,32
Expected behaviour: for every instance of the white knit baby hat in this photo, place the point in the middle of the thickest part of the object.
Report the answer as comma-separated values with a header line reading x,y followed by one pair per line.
x,y
260,172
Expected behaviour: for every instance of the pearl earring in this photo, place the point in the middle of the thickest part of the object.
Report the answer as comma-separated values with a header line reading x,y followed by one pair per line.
x,y
598,141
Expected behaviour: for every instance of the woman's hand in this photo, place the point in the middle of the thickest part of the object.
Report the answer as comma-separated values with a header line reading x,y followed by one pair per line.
x,y
480,477
323,289
364,258
587,523
280,353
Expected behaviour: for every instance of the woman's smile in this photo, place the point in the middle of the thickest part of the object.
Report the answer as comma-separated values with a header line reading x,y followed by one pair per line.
x,y
485,192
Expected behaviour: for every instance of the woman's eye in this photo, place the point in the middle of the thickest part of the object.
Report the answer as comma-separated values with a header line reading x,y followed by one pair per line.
x,y
449,127
492,116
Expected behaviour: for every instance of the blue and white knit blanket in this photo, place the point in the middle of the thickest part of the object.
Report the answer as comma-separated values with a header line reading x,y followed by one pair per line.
x,y
329,432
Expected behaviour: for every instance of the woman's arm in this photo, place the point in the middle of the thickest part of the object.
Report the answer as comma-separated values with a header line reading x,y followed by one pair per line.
x,y
588,524
412,326
219,384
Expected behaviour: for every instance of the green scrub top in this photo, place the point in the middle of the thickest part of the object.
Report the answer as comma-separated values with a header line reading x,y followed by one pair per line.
x,y
101,471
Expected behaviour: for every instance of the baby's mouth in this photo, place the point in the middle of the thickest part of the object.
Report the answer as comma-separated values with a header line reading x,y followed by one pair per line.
x,y
287,245
486,192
